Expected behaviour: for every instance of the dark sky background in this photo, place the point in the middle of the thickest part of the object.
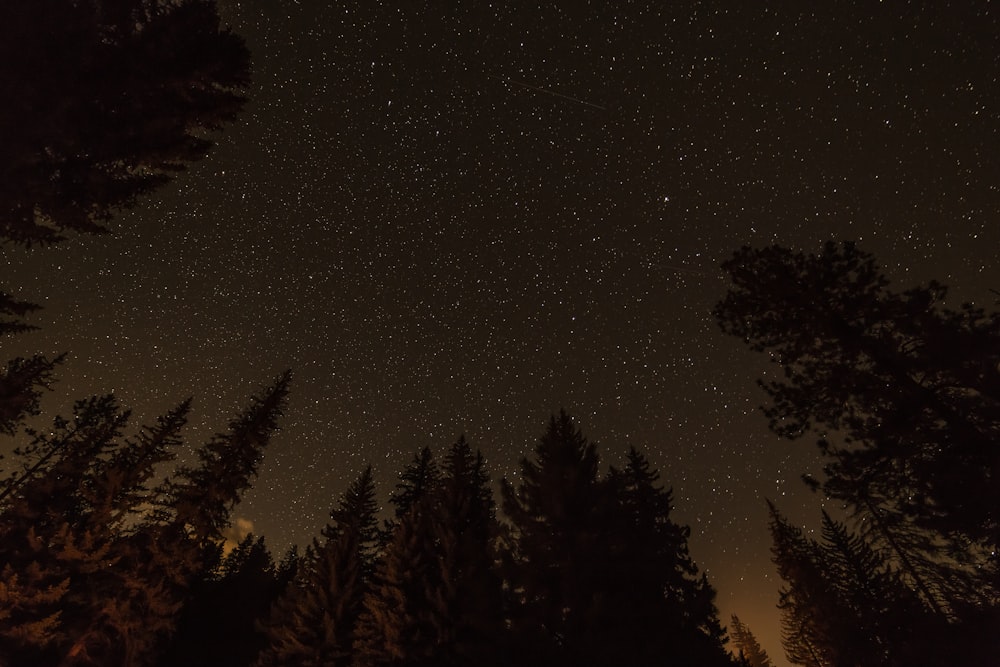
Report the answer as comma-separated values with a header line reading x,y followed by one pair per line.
x,y
457,218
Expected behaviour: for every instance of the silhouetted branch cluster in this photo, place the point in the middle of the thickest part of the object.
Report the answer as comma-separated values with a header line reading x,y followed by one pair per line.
x,y
903,394
105,101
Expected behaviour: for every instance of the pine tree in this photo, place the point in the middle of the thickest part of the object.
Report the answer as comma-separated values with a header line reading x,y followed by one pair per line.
x,y
467,599
401,617
890,625
182,537
314,622
809,611
45,538
396,626
114,97
747,645
416,480
843,604
218,626
24,379
654,602
201,498
103,603
909,385
436,598
905,396
555,562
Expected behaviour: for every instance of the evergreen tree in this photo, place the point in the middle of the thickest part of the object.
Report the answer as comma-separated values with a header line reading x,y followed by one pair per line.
x,y
218,626
401,614
416,480
654,603
113,98
396,626
436,598
23,380
45,538
102,604
78,525
200,499
182,538
467,597
887,617
809,611
313,624
844,605
556,562
287,567
747,645
911,389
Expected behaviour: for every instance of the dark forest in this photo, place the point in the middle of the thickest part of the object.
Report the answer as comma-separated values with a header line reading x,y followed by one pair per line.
x,y
114,544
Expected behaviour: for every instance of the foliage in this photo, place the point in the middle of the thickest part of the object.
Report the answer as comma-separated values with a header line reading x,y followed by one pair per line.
x,y
112,98
598,571
90,576
909,388
554,567
313,623
654,602
747,645
218,625
436,598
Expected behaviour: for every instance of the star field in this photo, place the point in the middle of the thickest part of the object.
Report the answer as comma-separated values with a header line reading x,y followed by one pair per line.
x,y
461,217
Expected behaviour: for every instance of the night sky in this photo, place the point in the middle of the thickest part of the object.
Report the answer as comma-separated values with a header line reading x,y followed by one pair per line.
x,y
455,218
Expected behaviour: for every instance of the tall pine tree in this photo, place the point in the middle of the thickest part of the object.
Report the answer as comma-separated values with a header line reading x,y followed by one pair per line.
x,y
313,623
45,537
103,602
468,595
436,597
655,603
747,645
182,538
557,556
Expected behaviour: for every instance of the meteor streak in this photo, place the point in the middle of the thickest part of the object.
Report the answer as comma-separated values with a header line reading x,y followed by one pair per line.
x,y
548,92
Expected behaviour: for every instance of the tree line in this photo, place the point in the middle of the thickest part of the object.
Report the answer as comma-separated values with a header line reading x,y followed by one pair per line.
x,y
111,555
101,567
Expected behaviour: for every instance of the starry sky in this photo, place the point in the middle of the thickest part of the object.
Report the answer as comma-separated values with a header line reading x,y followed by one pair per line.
x,y
461,217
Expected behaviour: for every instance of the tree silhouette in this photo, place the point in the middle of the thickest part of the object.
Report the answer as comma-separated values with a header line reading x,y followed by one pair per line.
x,y
844,604
180,539
218,626
313,623
23,380
112,98
747,645
436,598
654,603
46,533
556,562
911,390
396,626
811,615
200,499
101,605
467,597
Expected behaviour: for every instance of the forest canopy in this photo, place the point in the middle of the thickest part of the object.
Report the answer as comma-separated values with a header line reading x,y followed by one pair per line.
x,y
112,553
903,395
108,99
